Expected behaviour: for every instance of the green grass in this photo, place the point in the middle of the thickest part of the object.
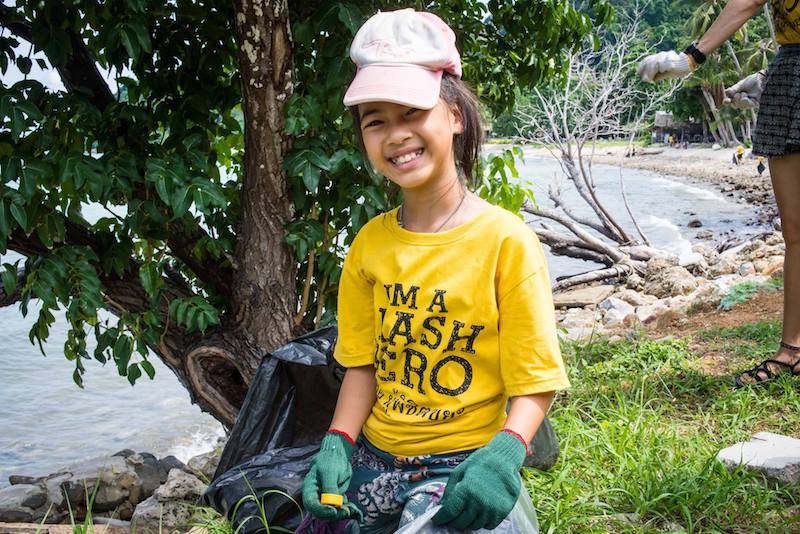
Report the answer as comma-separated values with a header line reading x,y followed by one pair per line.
x,y
744,291
639,432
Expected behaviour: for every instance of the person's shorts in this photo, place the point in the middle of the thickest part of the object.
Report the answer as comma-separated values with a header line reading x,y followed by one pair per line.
x,y
777,130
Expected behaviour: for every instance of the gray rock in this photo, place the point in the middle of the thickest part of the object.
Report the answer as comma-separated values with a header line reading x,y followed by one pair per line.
x,y
774,455
180,486
707,297
167,464
724,264
205,464
695,223
148,470
634,298
614,317
650,312
157,516
619,305
704,234
113,476
664,279
19,503
585,296
747,268
634,282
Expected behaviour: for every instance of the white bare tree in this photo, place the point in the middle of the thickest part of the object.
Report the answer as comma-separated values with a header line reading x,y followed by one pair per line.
x,y
597,99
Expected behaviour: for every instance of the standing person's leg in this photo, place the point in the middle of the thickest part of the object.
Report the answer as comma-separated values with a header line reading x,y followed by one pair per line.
x,y
785,174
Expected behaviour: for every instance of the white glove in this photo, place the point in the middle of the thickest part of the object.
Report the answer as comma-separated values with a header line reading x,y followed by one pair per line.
x,y
663,65
746,93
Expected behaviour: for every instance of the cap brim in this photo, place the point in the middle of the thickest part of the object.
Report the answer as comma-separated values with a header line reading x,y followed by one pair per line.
x,y
401,84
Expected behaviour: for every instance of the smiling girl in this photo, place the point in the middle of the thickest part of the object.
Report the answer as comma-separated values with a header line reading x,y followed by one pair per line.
x,y
445,310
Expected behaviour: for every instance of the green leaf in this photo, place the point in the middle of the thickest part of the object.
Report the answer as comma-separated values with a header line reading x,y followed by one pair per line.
x,y
5,219
133,373
311,177
18,124
24,65
148,368
31,110
9,276
122,353
374,197
142,36
180,201
350,17
19,215
148,275
128,43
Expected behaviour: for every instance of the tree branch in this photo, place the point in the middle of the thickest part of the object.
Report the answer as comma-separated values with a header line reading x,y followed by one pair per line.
x,y
79,74
617,271
589,240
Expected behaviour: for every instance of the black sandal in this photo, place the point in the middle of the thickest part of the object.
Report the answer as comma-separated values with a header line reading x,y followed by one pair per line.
x,y
763,369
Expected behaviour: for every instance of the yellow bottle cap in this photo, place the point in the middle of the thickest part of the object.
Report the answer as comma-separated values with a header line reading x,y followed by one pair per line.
x,y
331,499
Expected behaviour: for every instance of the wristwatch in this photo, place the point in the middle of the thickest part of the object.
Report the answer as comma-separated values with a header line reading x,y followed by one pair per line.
x,y
696,54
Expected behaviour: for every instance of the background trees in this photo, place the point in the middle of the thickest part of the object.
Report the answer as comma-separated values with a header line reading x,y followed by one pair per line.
x,y
212,137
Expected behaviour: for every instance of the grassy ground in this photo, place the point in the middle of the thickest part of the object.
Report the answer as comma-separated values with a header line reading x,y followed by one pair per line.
x,y
640,430
641,426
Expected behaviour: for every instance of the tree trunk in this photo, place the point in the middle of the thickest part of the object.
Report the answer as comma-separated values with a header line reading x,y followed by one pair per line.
x,y
221,366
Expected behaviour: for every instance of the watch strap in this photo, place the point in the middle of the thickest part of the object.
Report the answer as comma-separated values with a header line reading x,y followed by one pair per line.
x,y
695,54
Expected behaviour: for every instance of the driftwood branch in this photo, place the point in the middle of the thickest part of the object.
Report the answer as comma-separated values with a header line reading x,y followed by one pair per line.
x,y
565,245
616,271
588,239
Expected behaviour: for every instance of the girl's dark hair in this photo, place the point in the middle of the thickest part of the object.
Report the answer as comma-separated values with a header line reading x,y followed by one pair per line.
x,y
466,145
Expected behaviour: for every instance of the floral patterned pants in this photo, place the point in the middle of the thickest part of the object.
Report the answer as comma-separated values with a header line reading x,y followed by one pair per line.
x,y
391,491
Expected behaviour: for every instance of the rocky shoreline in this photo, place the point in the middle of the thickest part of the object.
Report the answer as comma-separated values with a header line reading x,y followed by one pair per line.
x,y
127,490
667,290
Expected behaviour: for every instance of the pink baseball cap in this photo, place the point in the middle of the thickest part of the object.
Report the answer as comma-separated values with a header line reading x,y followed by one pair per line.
x,y
400,57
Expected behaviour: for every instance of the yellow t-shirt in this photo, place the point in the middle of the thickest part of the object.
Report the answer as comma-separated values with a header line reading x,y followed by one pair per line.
x,y
786,16
455,323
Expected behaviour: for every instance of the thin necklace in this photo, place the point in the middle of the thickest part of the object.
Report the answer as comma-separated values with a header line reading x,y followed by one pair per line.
x,y
400,215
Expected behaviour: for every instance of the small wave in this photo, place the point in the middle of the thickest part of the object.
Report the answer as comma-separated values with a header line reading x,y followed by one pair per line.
x,y
700,193
674,240
199,442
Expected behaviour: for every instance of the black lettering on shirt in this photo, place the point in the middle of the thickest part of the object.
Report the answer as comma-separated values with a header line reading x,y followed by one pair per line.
x,y
402,327
427,325
456,335
440,365
438,300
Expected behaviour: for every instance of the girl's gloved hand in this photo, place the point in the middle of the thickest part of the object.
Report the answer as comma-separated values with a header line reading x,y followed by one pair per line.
x,y
664,65
746,93
482,491
330,473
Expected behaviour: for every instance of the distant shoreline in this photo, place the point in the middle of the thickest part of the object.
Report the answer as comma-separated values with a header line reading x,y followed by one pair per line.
x,y
701,164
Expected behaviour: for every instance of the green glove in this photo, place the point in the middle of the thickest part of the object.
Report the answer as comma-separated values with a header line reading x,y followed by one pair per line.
x,y
330,473
482,491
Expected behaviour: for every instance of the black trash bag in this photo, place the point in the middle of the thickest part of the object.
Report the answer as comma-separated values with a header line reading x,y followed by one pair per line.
x,y
290,401
268,477
285,414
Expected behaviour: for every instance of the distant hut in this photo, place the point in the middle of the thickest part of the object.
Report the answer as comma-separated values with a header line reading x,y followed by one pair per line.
x,y
663,124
